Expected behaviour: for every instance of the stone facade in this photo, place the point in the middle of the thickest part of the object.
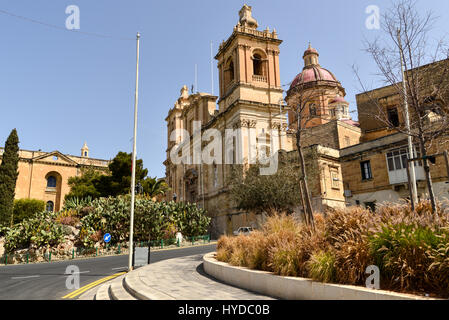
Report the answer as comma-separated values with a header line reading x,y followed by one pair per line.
x,y
355,163
44,175
250,103
384,150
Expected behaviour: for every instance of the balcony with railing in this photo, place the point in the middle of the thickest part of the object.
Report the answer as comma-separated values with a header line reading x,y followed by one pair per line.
x,y
258,78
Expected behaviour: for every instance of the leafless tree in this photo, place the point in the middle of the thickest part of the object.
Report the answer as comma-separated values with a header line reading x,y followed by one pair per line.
x,y
305,104
406,33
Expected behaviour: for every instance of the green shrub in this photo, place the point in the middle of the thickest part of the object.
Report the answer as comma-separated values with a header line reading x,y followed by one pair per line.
x,y
40,230
321,266
67,218
152,220
283,257
26,208
439,269
401,251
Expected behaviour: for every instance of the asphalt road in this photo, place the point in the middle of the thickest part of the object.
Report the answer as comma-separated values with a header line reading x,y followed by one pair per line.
x,y
47,281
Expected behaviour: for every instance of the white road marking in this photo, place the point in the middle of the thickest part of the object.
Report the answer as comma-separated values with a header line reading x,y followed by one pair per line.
x,y
26,277
119,268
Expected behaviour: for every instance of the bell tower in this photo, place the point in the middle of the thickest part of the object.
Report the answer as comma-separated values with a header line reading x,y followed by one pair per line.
x,y
248,64
85,151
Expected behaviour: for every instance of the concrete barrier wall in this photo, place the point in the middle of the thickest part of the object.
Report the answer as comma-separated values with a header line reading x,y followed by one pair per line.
x,y
293,288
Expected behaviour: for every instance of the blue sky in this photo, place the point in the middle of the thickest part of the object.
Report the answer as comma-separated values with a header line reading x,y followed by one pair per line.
x,y
60,88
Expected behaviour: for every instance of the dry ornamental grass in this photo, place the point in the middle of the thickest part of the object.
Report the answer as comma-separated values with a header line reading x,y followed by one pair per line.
x,y
410,248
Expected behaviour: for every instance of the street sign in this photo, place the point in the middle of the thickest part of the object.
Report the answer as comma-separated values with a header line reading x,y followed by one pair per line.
x,y
107,237
141,256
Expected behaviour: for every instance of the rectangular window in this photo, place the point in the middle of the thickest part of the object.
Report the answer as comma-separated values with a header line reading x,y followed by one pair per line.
x,y
366,170
335,181
397,159
393,116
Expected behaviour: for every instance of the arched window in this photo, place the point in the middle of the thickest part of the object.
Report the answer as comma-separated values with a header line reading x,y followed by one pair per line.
x,y
50,206
257,65
215,176
231,71
228,73
51,182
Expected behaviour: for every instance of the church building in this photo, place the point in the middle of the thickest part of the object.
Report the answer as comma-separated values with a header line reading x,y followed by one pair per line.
x,y
357,163
44,175
250,102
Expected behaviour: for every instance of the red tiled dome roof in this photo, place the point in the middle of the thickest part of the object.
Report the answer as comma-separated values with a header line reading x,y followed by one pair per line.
x,y
338,99
312,74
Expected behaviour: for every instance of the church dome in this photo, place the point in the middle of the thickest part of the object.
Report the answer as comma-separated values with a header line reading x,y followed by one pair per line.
x,y
312,74
338,100
312,71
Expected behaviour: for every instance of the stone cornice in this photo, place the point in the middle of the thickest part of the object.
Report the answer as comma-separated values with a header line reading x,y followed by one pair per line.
x,y
256,34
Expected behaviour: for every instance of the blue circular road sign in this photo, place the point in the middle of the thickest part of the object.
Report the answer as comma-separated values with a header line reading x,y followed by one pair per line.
x,y
107,237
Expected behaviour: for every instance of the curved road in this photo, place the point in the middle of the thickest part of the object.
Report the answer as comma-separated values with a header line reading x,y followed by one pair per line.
x,y
47,281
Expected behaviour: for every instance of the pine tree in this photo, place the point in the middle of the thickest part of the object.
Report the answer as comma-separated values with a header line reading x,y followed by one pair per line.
x,y
8,177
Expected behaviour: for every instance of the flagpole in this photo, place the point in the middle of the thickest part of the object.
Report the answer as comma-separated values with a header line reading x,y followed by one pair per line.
x,y
133,174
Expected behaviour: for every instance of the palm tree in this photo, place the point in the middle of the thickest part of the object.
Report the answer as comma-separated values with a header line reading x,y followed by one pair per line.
x,y
154,187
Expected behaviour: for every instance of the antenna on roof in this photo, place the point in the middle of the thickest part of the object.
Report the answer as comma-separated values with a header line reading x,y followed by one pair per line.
x,y
196,78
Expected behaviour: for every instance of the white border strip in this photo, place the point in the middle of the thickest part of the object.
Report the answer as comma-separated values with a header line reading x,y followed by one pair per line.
x,y
293,288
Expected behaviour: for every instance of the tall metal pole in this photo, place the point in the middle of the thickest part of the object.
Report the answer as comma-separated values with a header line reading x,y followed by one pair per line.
x,y
196,79
211,69
407,124
133,174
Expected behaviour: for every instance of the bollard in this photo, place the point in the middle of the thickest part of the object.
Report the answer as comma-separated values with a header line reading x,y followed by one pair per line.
x,y
49,257
6,258
27,257
178,243
73,253
119,249
96,253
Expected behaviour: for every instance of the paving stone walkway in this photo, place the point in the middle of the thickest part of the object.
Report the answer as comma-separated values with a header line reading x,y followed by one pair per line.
x,y
185,279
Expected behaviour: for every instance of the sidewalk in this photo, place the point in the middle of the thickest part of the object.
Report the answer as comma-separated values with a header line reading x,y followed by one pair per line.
x,y
174,279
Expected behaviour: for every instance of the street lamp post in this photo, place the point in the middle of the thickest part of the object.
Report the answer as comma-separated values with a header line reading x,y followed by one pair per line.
x,y
133,174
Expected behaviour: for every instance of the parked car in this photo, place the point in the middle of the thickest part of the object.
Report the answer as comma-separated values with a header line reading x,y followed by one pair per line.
x,y
243,230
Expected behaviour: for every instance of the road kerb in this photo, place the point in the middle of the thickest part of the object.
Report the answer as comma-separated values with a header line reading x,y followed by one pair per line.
x,y
91,285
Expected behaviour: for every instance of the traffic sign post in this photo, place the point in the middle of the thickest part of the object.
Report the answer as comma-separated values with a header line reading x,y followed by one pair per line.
x,y
107,238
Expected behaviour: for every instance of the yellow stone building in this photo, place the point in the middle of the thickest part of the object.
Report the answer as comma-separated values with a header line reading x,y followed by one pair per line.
x,y
44,175
375,170
356,163
250,103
